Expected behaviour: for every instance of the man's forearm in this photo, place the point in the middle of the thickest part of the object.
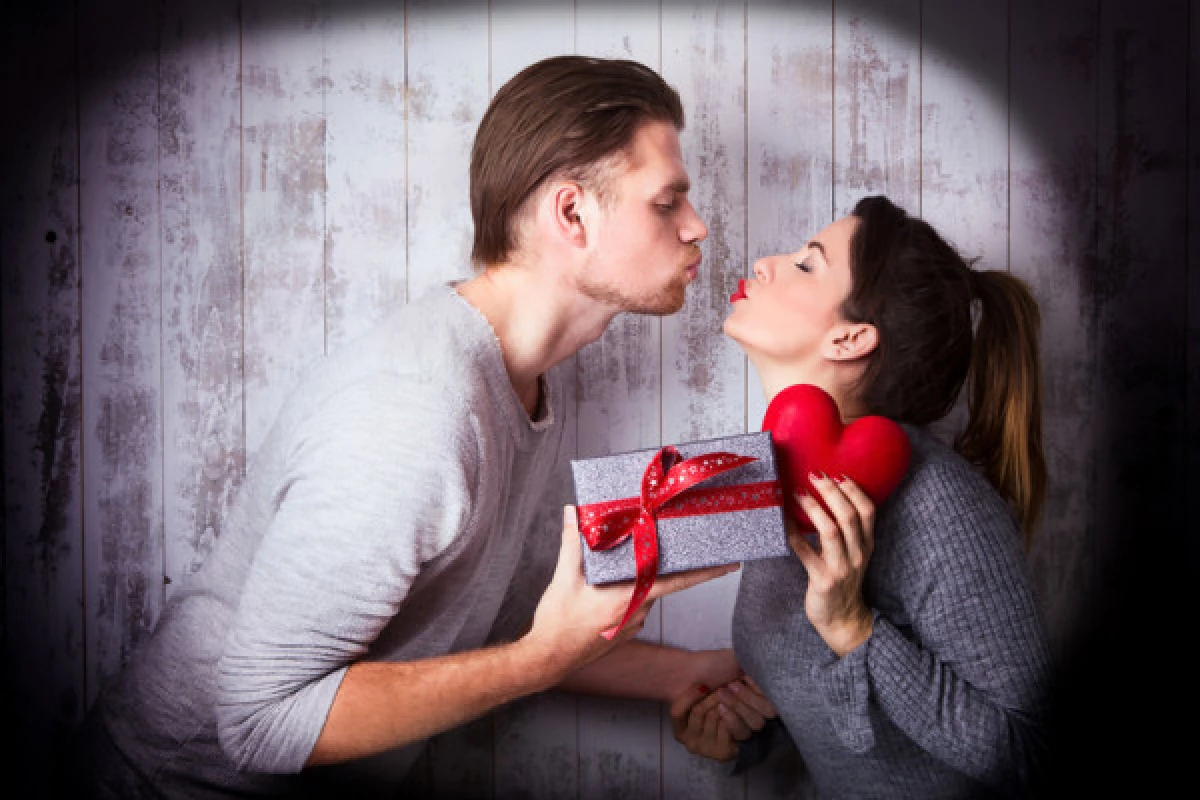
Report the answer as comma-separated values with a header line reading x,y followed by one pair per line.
x,y
648,671
384,704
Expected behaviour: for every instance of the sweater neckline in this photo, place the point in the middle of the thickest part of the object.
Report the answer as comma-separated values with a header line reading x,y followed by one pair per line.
x,y
524,428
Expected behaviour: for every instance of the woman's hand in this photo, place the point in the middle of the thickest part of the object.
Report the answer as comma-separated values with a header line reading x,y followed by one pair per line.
x,y
836,566
710,724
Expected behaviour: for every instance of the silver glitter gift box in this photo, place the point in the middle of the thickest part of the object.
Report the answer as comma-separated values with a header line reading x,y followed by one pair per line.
x,y
689,542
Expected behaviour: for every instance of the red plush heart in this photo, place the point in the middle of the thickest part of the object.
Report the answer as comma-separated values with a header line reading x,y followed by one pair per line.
x,y
809,437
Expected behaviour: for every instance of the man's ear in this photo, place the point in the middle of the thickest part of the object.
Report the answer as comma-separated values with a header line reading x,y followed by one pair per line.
x,y
850,340
567,205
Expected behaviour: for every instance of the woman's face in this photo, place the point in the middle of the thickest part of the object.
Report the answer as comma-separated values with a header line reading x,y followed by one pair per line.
x,y
791,309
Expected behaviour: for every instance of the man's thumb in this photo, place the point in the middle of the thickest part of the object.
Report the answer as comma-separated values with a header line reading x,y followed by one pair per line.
x,y
568,553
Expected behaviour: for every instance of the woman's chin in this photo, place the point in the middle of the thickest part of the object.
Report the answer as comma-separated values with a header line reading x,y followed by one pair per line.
x,y
730,328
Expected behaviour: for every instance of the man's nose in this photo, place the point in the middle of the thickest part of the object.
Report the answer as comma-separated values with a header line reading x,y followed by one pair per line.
x,y
695,231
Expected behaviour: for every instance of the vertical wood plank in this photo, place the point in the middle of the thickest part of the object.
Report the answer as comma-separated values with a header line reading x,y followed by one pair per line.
x,y
1140,389
283,179
1143,284
619,410
536,739
964,126
43,622
964,138
201,242
525,31
789,88
446,93
789,85
365,170
877,91
122,362
704,373
1052,241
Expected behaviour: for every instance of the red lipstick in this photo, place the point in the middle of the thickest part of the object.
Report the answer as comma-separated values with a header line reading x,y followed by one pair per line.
x,y
740,294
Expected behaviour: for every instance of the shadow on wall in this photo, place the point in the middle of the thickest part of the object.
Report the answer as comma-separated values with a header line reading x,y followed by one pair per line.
x,y
1125,185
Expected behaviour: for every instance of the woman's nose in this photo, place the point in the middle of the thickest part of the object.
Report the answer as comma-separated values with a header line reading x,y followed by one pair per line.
x,y
760,270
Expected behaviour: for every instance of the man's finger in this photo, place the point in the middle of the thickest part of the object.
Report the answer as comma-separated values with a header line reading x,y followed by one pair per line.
x,y
725,744
748,694
677,582
738,727
699,712
681,707
745,712
568,553
712,722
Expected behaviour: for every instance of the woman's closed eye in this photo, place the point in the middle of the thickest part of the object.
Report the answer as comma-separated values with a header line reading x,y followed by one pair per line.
x,y
804,265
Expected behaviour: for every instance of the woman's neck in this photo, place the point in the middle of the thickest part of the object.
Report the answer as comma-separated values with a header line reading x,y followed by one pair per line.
x,y
775,378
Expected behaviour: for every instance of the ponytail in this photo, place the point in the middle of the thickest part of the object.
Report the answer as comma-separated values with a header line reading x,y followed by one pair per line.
x,y
919,293
1003,434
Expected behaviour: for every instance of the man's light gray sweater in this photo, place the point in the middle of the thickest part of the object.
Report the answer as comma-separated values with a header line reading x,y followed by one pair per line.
x,y
947,696
382,518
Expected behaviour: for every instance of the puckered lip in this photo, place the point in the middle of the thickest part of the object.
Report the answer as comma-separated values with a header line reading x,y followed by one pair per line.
x,y
740,294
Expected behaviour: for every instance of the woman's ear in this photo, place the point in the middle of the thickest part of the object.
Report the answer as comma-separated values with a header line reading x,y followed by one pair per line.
x,y
850,340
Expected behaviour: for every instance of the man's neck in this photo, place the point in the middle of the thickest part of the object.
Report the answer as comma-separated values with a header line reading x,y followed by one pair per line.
x,y
539,318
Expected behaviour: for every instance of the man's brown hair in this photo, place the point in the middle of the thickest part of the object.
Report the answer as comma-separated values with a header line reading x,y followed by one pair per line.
x,y
562,116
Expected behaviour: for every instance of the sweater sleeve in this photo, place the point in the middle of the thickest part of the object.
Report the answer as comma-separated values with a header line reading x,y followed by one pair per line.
x,y
966,680
378,481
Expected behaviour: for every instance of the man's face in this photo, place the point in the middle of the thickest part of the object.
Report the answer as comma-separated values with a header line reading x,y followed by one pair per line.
x,y
645,243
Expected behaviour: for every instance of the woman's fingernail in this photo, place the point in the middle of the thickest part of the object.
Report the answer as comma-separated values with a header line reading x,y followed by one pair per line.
x,y
703,689
842,479
815,476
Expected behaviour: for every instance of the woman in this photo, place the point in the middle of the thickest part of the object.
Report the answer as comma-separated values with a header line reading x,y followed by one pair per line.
x,y
904,650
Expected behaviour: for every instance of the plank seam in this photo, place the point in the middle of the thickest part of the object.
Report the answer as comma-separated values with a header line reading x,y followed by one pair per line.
x,y
162,403
83,561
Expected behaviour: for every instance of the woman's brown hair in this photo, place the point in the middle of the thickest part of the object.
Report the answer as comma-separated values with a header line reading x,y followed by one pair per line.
x,y
923,298
563,115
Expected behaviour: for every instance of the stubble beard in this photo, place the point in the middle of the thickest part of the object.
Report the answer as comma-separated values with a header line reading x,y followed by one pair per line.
x,y
664,302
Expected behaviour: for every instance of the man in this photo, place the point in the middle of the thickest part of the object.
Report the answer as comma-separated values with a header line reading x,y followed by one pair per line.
x,y
344,615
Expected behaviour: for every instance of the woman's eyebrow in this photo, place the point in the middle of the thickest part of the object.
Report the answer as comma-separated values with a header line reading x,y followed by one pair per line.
x,y
814,244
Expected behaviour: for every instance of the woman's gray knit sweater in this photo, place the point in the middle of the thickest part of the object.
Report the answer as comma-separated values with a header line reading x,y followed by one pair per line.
x,y
947,697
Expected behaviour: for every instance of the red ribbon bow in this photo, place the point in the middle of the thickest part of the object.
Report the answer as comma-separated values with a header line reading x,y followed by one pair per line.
x,y
605,525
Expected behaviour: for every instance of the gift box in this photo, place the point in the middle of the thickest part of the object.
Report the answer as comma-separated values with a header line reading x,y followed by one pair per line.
x,y
697,504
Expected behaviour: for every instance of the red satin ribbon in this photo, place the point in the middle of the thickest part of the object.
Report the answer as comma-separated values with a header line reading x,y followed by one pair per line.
x,y
606,524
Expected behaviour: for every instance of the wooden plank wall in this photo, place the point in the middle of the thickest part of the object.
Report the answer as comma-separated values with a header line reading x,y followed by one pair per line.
x,y
201,198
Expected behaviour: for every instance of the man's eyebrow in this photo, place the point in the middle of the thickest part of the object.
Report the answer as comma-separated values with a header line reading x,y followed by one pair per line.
x,y
681,186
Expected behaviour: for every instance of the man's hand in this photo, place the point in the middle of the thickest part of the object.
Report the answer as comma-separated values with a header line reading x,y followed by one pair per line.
x,y
710,724
697,725
572,614
709,668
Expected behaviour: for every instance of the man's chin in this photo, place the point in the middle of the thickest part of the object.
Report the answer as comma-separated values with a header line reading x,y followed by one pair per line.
x,y
663,304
